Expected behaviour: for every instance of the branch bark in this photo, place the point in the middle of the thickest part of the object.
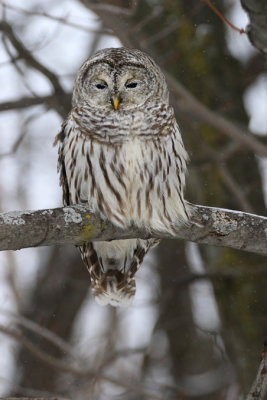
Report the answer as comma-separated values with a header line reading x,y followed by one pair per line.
x,y
77,225
50,101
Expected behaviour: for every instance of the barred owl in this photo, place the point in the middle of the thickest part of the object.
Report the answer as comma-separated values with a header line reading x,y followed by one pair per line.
x,y
121,152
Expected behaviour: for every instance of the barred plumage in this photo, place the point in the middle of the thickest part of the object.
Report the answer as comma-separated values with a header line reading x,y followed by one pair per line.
x,y
121,151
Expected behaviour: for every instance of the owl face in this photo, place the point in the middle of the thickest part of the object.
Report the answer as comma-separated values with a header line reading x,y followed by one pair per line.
x,y
119,79
117,88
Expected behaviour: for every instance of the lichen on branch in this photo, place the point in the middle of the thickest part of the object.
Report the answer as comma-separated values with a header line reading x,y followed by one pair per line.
x,y
77,225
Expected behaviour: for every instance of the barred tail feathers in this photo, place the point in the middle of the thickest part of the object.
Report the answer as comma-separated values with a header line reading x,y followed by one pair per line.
x,y
112,266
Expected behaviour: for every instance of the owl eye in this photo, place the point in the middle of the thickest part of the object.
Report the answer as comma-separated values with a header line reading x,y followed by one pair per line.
x,y
101,86
131,85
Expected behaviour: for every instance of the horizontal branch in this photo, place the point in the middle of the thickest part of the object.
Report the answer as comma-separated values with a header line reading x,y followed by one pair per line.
x,y
27,56
32,398
50,101
77,225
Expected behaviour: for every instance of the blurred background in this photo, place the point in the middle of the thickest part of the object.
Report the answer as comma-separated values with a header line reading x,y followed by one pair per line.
x,y
199,319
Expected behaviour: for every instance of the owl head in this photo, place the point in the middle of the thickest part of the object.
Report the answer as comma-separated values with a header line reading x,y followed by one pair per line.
x,y
118,79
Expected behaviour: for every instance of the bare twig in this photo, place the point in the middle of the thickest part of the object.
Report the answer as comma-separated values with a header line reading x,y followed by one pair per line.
x,y
157,10
43,332
109,8
33,398
77,224
161,34
235,188
21,136
28,57
191,106
14,61
40,354
228,180
34,63
31,394
61,20
259,387
222,17
64,367
49,101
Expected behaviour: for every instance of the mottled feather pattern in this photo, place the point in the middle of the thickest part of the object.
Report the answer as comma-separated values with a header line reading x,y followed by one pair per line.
x,y
129,165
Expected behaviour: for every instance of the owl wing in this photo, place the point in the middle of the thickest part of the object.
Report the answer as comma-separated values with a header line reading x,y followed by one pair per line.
x,y
88,254
61,165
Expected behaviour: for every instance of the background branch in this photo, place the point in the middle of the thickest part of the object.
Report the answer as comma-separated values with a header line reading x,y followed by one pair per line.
x,y
24,53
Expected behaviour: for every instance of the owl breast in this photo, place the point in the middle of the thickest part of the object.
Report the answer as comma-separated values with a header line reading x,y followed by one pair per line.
x,y
136,174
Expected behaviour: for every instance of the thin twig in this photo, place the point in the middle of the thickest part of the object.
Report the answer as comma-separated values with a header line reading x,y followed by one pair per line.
x,y
219,160
40,354
14,61
43,332
30,393
28,57
34,63
32,398
157,10
21,136
194,108
108,8
61,20
25,102
66,368
161,34
222,17
235,189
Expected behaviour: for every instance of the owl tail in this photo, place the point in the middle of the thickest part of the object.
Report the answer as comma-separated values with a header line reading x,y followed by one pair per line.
x,y
114,288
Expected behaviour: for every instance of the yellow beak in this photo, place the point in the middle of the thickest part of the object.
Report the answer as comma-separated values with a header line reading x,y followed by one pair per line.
x,y
115,102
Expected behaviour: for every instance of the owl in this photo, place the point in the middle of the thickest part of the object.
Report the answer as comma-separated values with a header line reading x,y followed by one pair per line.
x,y
121,153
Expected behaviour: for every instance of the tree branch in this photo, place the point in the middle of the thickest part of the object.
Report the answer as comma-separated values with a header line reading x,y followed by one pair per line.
x,y
194,108
50,101
27,56
34,398
77,225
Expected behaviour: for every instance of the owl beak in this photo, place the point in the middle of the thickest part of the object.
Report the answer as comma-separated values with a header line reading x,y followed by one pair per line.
x,y
115,101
